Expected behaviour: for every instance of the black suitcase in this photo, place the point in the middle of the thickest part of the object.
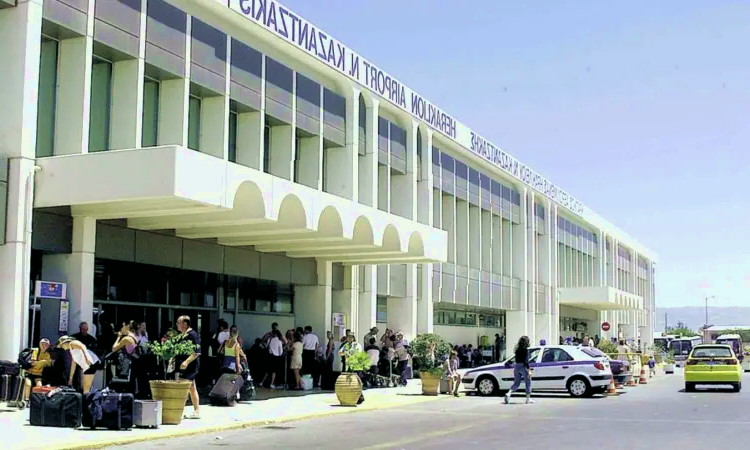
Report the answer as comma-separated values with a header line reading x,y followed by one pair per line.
x,y
60,408
224,393
9,368
328,380
117,411
11,390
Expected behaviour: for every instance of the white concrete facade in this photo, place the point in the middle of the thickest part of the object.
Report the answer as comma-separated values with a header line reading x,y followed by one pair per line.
x,y
194,135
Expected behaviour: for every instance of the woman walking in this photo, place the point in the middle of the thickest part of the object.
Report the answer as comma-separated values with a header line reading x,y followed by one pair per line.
x,y
521,370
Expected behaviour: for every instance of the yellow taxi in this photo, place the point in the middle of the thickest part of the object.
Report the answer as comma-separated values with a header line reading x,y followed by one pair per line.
x,y
712,364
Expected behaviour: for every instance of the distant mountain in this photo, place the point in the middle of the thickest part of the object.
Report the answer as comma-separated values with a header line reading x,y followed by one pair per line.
x,y
695,316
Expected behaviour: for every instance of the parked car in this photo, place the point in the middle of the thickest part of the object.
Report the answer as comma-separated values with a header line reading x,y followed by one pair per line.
x,y
712,364
556,368
617,366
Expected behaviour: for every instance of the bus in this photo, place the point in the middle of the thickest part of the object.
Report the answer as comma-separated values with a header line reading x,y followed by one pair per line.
x,y
734,341
683,346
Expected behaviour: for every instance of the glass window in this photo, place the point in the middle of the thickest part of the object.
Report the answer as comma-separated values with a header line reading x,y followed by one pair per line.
x,y
150,113
447,162
435,156
283,304
232,136
484,182
382,309
516,198
100,107
497,188
230,292
506,193
194,123
462,170
47,101
383,126
555,355
474,177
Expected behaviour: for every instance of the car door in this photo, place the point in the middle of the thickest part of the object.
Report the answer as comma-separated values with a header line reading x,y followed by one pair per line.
x,y
507,374
553,370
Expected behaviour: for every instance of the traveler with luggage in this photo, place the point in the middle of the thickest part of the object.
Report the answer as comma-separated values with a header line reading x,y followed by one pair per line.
x,y
125,348
81,360
40,359
232,354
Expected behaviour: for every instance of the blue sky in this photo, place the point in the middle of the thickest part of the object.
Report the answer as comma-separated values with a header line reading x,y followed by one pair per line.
x,y
640,109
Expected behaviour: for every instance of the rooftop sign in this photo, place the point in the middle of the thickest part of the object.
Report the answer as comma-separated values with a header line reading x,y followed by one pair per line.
x,y
289,26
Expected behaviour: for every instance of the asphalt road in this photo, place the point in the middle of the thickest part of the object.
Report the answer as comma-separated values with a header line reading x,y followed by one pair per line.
x,y
657,415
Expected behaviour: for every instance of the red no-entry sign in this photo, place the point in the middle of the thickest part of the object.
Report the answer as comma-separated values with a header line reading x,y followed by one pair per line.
x,y
605,326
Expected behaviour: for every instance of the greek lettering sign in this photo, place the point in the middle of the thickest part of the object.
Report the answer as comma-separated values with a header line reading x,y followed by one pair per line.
x,y
285,24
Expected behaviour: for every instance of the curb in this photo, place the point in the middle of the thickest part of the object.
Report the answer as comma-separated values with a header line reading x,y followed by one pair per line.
x,y
165,434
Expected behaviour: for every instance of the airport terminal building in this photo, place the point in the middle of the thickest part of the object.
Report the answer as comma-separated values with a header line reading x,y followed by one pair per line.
x,y
228,158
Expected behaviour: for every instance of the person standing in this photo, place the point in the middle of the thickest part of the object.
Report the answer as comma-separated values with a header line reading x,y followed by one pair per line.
x,y
310,343
189,365
521,370
298,359
454,377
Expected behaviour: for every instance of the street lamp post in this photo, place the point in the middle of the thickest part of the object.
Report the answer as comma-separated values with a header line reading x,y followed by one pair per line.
x,y
705,327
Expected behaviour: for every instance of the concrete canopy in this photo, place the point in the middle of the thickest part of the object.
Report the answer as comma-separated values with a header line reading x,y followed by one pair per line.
x,y
600,298
202,197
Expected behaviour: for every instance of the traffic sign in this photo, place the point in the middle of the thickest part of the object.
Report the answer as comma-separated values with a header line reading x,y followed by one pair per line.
x,y
605,326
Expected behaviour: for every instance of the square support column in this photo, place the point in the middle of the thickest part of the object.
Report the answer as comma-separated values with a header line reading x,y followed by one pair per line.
x,y
368,163
544,318
73,96
425,205
214,134
20,33
342,163
402,311
425,304
312,304
403,187
127,104
346,300
77,270
368,297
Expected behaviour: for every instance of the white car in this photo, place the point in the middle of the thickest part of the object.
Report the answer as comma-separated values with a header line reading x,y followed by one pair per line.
x,y
555,368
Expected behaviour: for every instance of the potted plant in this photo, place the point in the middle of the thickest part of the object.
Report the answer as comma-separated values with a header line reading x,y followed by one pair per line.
x,y
348,386
172,393
669,362
429,352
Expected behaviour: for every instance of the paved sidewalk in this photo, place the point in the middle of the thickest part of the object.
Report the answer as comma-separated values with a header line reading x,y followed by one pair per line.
x,y
17,434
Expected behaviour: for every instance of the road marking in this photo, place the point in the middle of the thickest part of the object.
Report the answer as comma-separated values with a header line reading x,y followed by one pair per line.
x,y
431,435
568,418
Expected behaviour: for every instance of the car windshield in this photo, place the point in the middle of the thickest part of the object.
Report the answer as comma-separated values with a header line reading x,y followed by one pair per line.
x,y
712,352
593,352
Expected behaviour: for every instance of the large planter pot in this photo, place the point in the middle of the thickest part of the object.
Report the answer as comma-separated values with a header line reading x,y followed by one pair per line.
x,y
348,389
172,395
430,383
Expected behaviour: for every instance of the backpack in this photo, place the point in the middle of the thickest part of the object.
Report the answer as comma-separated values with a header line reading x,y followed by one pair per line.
x,y
141,350
26,357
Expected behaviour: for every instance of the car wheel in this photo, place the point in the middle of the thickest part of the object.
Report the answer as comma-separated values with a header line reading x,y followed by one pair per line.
x,y
579,387
737,387
487,386
689,387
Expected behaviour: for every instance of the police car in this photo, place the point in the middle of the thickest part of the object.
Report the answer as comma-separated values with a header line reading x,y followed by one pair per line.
x,y
555,368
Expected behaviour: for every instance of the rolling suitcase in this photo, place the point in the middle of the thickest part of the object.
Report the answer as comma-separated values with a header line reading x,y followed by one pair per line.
x,y
226,390
9,368
116,410
61,407
15,392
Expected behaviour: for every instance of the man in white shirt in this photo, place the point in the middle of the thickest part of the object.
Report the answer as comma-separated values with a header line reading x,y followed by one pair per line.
x,y
310,344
